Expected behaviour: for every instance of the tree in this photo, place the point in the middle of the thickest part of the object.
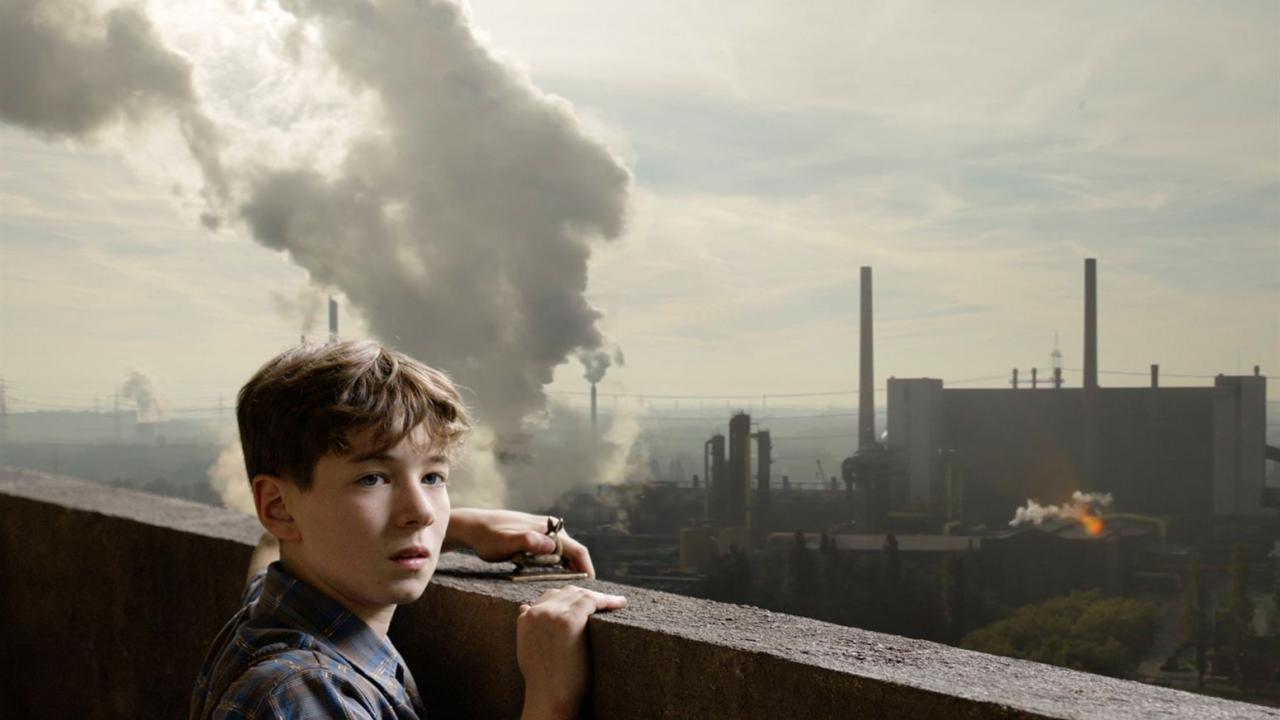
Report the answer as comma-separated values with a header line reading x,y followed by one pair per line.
x,y
1083,630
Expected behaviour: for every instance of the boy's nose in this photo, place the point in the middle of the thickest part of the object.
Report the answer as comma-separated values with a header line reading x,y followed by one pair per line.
x,y
415,506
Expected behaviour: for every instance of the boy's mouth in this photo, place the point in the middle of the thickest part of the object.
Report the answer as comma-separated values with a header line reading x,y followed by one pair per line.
x,y
412,558
409,553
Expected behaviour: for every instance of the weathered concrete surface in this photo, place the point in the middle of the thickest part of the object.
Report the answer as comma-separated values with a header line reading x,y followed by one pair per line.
x,y
111,597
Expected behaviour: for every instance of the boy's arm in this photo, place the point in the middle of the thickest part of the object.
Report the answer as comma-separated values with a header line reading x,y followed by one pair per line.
x,y
266,552
496,535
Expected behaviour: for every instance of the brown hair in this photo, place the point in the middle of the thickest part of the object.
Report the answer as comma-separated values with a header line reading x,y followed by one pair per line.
x,y
312,399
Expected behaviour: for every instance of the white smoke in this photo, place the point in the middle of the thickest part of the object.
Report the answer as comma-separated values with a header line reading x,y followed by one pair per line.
x,y
462,226
303,308
137,387
563,454
227,478
452,202
1082,503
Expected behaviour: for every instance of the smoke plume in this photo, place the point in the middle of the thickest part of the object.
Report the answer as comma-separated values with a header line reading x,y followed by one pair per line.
x,y
137,387
227,478
564,454
462,227
66,73
303,308
1081,505
594,364
456,206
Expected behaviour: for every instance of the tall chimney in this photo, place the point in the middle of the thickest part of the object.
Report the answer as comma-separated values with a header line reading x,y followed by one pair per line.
x,y
333,319
866,372
1090,481
1155,375
593,406
1091,324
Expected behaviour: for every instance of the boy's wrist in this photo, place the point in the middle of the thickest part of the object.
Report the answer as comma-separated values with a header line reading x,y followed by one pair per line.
x,y
539,707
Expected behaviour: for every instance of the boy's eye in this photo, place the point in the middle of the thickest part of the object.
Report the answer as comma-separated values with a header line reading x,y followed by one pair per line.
x,y
371,480
433,479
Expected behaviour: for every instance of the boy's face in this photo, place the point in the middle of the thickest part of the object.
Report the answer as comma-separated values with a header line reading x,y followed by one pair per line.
x,y
371,524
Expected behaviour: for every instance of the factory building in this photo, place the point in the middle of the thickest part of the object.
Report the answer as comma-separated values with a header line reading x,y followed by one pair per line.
x,y
975,455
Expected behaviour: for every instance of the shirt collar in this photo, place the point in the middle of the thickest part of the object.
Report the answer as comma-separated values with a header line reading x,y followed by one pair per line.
x,y
293,601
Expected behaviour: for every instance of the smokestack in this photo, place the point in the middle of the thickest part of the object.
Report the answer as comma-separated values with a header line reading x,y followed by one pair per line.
x,y
761,524
1014,381
1090,324
333,319
1034,372
593,406
866,371
1090,470
1155,375
739,474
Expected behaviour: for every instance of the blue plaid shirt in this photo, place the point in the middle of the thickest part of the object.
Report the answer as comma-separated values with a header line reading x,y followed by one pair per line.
x,y
293,652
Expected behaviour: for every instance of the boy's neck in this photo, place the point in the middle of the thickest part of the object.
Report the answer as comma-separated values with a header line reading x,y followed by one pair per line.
x,y
377,618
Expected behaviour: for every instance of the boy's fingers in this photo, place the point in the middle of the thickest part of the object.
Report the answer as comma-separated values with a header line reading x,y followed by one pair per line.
x,y
537,543
578,557
591,601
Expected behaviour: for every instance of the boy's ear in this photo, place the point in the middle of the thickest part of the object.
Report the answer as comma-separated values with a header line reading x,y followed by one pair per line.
x,y
273,508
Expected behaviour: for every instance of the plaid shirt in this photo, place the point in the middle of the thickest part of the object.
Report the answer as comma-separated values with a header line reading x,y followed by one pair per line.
x,y
293,652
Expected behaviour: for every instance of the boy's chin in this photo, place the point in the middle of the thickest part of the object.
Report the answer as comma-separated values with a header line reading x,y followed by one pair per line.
x,y
407,591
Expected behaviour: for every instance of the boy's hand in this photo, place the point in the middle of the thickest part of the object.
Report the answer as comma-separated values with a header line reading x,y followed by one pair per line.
x,y
551,650
496,535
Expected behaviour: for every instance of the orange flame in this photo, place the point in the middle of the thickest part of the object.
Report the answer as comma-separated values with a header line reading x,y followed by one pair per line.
x,y
1092,523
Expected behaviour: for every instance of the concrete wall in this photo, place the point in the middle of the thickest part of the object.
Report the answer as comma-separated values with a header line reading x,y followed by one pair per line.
x,y
110,598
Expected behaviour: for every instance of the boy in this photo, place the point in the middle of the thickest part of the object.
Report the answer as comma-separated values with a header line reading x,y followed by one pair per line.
x,y
347,447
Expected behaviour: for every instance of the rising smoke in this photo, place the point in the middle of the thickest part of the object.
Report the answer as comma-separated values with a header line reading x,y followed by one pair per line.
x,y
462,227
460,223
1081,504
137,387
227,478
595,363
302,309
567,455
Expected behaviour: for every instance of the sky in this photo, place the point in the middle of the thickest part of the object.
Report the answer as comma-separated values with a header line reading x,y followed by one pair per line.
x,y
714,172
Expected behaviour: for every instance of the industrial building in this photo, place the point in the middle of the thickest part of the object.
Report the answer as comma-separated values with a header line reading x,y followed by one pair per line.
x,y
963,460
973,455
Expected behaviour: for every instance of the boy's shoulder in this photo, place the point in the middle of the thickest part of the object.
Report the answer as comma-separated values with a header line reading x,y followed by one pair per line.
x,y
277,658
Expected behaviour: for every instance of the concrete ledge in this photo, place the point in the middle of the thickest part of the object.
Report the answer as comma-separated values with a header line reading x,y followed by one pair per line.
x,y
111,597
